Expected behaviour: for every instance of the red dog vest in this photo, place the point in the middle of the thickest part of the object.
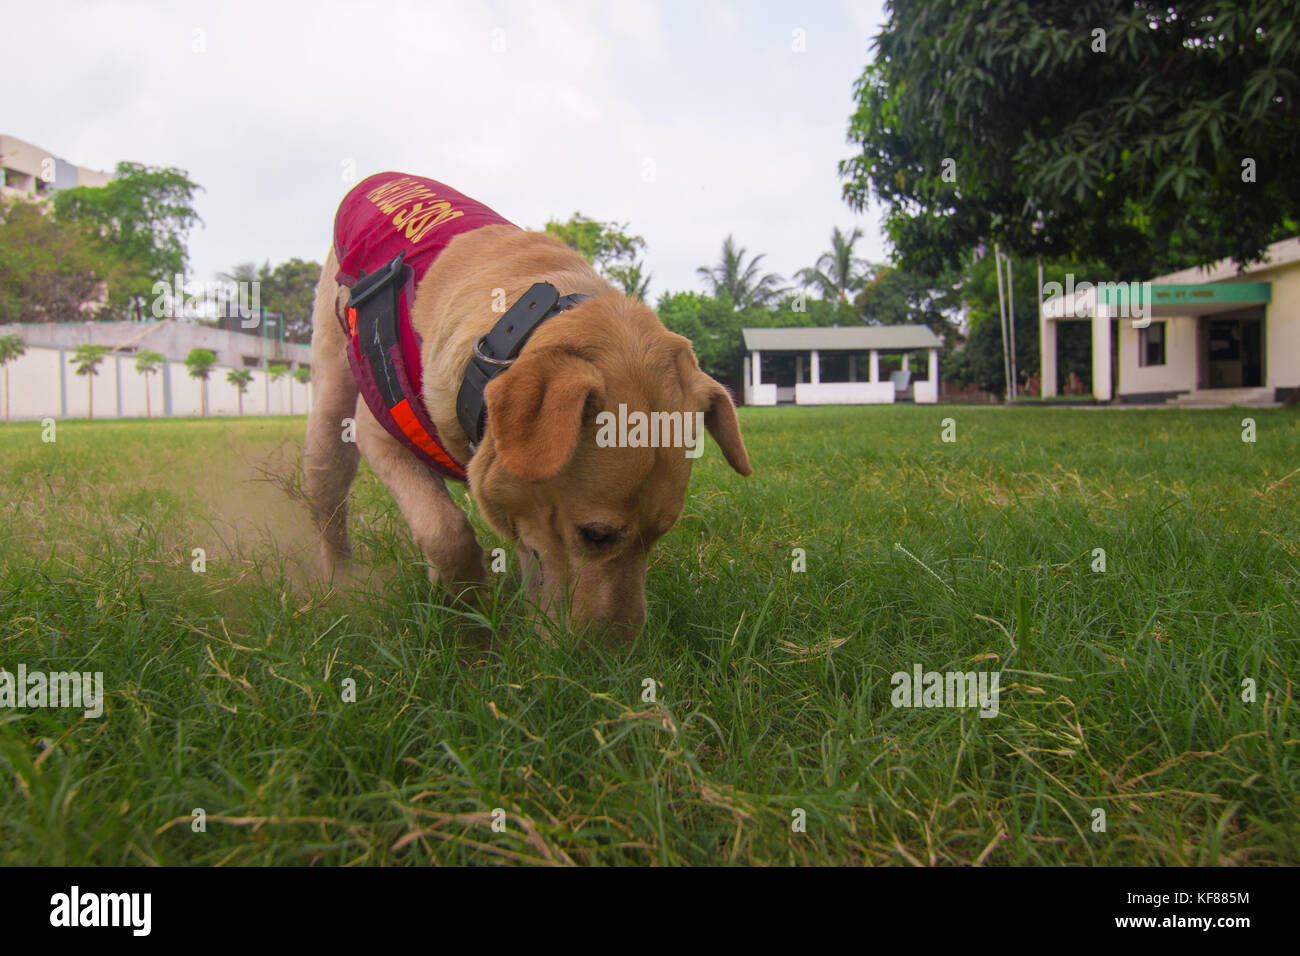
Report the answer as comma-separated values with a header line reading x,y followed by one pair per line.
x,y
384,215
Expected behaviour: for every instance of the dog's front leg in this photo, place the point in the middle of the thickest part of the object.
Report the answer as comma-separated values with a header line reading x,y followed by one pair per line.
x,y
441,530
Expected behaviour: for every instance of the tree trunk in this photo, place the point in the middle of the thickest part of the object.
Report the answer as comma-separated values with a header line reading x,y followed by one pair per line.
x,y
241,404
90,396
6,393
148,412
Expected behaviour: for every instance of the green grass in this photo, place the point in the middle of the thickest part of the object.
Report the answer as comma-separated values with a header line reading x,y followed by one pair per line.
x,y
1121,691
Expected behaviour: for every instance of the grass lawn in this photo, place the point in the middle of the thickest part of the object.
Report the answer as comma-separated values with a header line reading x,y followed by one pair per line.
x,y
1121,691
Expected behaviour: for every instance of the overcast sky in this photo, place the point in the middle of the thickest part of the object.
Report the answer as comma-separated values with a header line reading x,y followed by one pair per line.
x,y
687,120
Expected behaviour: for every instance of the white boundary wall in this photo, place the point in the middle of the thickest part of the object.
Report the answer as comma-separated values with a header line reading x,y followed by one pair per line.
x,y
43,383
844,393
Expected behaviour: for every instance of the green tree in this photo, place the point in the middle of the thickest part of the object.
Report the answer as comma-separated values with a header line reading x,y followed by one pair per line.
x,y
980,359
87,358
609,247
902,297
240,377
49,271
290,290
12,347
838,274
603,244
146,364
715,326
243,272
1146,137
141,218
712,324
302,375
743,282
631,280
199,365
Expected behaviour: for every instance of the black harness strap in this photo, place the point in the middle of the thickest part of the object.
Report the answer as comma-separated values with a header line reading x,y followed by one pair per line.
x,y
495,352
375,299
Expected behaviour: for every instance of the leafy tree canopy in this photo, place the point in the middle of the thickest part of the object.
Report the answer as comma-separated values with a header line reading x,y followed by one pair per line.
x,y
86,358
1146,137
141,218
199,362
609,247
49,271
147,363
287,291
239,377
714,324
12,347
903,297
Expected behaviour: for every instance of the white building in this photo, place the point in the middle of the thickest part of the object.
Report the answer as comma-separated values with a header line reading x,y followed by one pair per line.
x,y
1212,335
29,172
849,350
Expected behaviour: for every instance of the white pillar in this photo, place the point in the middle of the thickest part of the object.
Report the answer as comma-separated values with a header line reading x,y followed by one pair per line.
x,y
758,368
853,368
874,367
798,369
816,368
907,359
1046,344
1101,384
934,370
1047,356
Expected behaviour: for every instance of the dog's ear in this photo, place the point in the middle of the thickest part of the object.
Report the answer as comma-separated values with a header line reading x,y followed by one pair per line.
x,y
535,411
720,420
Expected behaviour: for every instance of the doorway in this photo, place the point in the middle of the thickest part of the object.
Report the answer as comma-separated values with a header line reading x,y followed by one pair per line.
x,y
1232,352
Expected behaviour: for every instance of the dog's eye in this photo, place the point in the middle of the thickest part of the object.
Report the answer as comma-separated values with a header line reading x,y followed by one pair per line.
x,y
598,537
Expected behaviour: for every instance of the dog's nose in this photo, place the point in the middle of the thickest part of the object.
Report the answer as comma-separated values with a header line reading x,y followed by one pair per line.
x,y
618,623
617,635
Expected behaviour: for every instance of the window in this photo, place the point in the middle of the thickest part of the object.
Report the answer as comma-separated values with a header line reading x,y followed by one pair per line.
x,y
1151,344
252,361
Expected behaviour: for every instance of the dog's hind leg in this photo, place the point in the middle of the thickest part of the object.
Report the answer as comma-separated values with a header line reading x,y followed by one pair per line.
x,y
441,530
329,459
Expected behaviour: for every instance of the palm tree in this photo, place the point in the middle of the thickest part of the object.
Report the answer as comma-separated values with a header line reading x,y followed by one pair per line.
x,y
146,364
199,363
11,347
246,274
243,272
740,281
838,273
240,377
87,359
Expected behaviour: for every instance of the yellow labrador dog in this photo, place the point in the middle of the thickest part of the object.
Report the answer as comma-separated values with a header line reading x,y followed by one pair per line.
x,y
566,404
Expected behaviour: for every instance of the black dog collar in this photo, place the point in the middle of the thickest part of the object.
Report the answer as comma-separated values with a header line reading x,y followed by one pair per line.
x,y
497,351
